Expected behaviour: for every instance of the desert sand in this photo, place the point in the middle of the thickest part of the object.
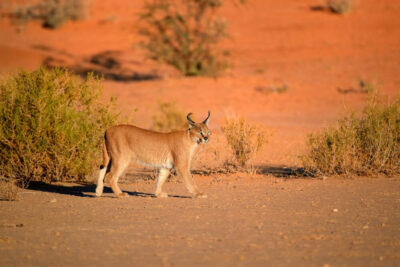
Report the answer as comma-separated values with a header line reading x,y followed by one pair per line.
x,y
265,219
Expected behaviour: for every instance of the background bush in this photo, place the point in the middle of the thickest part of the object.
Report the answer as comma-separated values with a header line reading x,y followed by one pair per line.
x,y
51,126
340,6
184,34
368,144
244,139
169,118
52,13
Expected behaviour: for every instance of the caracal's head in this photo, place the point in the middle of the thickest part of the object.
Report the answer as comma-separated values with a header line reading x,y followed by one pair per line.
x,y
199,132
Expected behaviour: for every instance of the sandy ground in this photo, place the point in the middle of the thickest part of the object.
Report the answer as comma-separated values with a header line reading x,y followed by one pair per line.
x,y
247,219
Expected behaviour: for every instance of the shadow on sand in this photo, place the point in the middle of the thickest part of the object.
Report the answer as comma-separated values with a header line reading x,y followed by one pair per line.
x,y
112,65
319,8
84,190
284,172
74,190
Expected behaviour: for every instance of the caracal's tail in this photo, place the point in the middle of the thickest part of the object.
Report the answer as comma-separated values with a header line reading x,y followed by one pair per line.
x,y
102,172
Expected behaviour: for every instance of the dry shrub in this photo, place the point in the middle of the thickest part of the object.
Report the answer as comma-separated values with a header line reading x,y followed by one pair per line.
x,y
244,139
184,34
169,118
364,145
8,190
51,126
340,6
213,157
52,13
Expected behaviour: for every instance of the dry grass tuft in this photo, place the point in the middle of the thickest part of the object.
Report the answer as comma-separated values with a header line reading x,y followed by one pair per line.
x,y
8,190
244,139
213,157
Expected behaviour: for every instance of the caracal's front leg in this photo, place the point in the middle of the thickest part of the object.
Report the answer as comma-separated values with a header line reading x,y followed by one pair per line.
x,y
162,177
184,172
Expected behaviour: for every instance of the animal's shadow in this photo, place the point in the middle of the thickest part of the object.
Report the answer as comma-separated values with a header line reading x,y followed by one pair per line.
x,y
84,190
73,190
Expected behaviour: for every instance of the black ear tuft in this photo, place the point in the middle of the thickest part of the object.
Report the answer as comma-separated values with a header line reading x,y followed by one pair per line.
x,y
207,119
190,121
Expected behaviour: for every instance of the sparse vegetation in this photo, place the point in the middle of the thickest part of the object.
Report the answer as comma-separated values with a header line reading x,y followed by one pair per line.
x,y
363,87
277,89
367,86
52,13
51,126
244,139
340,6
169,118
368,144
213,158
8,190
184,34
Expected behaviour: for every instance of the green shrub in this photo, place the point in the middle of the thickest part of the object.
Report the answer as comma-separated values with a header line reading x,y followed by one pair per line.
x,y
184,34
53,13
340,6
51,126
368,144
169,118
244,139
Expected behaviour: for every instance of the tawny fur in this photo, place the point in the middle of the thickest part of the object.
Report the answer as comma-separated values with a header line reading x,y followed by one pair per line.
x,y
124,143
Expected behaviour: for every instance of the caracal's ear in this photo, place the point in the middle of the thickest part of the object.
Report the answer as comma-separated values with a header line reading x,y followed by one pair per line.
x,y
207,119
190,122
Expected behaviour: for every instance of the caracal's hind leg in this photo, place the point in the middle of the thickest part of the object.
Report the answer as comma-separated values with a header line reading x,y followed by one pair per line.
x,y
183,171
117,168
103,170
162,177
100,181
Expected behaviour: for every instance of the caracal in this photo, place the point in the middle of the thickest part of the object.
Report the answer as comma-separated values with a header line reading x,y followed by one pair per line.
x,y
124,143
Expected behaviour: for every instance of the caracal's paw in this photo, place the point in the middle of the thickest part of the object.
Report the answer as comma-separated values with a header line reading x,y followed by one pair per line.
x,y
161,195
123,194
99,192
200,195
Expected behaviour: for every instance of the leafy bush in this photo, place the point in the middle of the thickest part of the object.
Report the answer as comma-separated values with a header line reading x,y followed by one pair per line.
x,y
368,144
184,34
169,118
53,13
51,126
244,139
340,6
